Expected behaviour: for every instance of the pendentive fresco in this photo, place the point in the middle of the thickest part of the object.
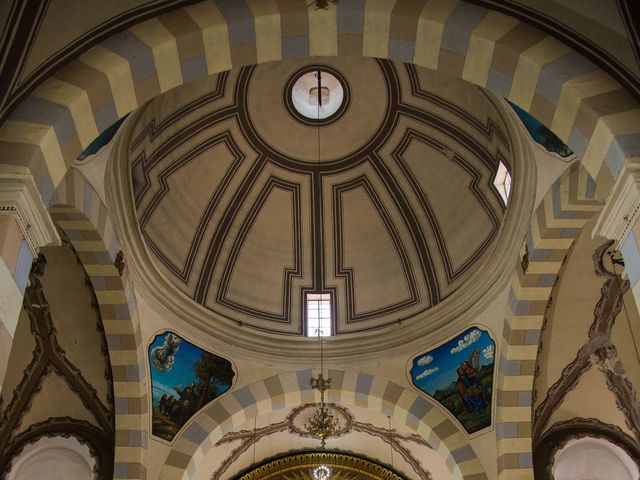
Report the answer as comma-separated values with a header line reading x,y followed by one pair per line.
x,y
459,375
184,378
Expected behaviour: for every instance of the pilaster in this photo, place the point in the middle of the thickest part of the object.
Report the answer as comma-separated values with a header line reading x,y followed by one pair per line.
x,y
25,226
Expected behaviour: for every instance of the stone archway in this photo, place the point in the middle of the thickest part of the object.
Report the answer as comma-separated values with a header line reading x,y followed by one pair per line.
x,y
80,212
558,220
541,75
288,390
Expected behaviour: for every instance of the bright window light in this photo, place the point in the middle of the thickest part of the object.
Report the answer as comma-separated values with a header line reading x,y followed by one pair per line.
x,y
502,182
318,314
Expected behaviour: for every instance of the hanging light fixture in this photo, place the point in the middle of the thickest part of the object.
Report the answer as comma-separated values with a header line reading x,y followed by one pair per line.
x,y
322,423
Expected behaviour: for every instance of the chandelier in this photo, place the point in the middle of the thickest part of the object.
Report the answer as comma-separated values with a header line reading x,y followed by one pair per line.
x,y
322,423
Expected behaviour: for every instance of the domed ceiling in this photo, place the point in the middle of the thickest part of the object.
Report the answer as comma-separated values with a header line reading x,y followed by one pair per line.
x,y
390,211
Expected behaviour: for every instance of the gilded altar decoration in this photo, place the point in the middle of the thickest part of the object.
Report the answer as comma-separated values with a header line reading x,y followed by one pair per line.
x,y
320,466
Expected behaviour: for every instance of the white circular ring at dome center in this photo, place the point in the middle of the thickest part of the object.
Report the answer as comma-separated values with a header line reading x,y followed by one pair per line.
x,y
304,95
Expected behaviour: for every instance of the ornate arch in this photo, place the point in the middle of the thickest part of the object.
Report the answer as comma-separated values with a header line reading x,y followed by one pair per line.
x,y
581,103
80,212
557,222
66,427
288,390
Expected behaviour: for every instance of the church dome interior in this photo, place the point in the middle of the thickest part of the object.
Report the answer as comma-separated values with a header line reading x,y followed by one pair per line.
x,y
387,209
319,240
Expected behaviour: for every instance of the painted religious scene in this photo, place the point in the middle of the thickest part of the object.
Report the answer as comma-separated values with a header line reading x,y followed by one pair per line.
x,y
459,375
184,378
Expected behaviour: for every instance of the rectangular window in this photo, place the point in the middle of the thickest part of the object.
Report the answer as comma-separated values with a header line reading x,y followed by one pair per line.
x,y
319,314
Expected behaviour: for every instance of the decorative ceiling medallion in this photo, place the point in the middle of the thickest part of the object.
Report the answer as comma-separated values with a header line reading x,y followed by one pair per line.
x,y
301,95
299,418
303,466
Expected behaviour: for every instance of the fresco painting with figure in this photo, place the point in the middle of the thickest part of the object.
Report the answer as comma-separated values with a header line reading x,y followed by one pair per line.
x,y
184,378
459,375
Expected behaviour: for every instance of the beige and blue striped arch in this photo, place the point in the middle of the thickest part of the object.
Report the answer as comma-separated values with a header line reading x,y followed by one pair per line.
x,y
288,390
79,211
564,211
587,109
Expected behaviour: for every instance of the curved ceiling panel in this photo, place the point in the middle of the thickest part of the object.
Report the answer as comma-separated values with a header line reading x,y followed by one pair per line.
x,y
388,205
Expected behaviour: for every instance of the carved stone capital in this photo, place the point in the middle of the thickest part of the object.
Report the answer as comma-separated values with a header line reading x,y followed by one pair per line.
x,y
623,206
19,197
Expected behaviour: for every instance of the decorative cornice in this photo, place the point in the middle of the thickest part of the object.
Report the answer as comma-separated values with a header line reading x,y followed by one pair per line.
x,y
20,198
622,208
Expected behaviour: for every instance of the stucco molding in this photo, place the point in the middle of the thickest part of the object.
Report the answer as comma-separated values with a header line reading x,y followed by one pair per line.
x,y
389,436
65,427
20,198
596,350
622,208
48,358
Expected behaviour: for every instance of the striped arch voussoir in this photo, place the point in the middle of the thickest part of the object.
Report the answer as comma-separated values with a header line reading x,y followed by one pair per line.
x,y
598,119
290,390
80,212
559,219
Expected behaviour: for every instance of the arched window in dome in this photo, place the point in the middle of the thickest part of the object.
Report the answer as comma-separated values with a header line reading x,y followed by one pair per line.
x,y
502,182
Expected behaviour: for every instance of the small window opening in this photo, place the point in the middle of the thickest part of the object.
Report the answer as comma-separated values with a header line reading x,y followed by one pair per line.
x,y
319,314
502,182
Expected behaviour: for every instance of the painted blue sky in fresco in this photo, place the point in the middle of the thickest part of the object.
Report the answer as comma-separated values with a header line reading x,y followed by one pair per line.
x,y
532,124
436,369
180,375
